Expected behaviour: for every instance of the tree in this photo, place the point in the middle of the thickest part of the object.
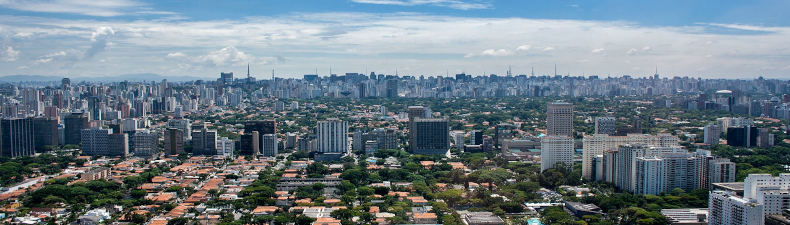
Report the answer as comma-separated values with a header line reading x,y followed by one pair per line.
x,y
178,221
451,196
304,220
342,214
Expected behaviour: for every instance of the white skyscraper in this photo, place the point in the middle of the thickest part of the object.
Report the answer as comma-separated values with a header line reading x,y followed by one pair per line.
x,y
269,145
555,149
650,175
332,136
225,147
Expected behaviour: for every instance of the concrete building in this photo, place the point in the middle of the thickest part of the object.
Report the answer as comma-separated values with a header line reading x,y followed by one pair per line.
x,y
559,119
181,124
269,147
686,216
594,145
146,144
225,147
250,143
555,149
331,139
97,141
726,208
605,125
712,134
649,175
431,136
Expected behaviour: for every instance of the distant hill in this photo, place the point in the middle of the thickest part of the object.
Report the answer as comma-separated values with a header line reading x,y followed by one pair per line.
x,y
127,77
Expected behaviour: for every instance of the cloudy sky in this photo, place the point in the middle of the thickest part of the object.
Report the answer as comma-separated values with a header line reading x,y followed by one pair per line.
x,y
708,39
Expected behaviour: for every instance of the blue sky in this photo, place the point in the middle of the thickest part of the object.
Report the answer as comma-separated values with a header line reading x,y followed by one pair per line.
x,y
709,39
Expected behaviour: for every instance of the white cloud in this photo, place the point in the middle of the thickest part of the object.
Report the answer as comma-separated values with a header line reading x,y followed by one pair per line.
x,y
597,50
632,51
647,48
99,41
455,4
523,48
176,55
10,55
548,49
56,54
500,52
103,8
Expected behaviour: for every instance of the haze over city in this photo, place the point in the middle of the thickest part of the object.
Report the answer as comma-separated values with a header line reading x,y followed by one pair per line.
x,y
706,39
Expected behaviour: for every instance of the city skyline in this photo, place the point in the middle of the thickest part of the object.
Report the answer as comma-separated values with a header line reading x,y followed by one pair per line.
x,y
432,38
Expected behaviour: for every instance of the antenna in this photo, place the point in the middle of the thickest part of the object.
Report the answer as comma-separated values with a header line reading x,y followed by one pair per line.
x,y
396,72
555,68
248,70
533,71
330,70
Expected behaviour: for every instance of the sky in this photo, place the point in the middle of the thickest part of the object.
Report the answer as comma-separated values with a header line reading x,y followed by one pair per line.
x,y
201,38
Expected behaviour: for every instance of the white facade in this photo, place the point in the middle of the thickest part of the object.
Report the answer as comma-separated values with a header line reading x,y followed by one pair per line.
x,y
554,149
183,125
332,136
598,143
726,208
225,147
650,175
269,145
772,192
145,143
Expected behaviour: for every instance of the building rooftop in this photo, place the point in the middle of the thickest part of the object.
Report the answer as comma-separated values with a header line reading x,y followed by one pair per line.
x,y
685,215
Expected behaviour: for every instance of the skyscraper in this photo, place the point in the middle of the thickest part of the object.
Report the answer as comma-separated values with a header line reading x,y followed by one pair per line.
x,y
204,142
146,144
605,125
712,134
332,136
17,137
431,136
555,149
250,143
174,141
559,119
97,141
74,123
269,145
727,208
392,88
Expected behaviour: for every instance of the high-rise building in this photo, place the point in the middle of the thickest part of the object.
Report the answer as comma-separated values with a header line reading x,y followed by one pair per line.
x,y
17,137
332,136
649,175
74,123
431,136
45,133
559,119
181,124
556,149
712,134
250,143
226,78
720,170
98,141
392,88
225,147
414,113
745,136
269,145
726,208
174,141
605,125
204,142
146,143
597,144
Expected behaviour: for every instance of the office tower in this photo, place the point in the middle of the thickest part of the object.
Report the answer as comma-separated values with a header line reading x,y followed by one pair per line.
x,y
269,145
712,134
502,132
605,125
181,124
204,142
65,82
98,141
392,88
116,128
279,106
626,156
225,147
636,125
174,141
250,143
727,208
146,144
556,149
290,140
332,136
649,175
475,137
745,136
226,78
559,119
129,124
383,110
17,138
431,136
45,133
263,127
74,123
597,144
414,112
